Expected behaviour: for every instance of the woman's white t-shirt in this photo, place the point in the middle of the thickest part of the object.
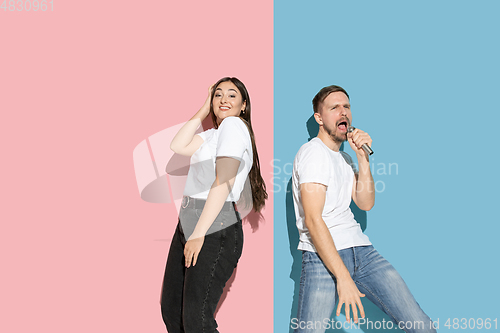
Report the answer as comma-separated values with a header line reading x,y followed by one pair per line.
x,y
231,139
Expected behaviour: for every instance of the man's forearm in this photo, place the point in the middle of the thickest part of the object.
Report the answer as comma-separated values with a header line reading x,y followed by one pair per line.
x,y
365,187
325,246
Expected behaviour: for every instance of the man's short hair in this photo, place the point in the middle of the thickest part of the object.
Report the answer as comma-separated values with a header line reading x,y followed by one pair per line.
x,y
323,93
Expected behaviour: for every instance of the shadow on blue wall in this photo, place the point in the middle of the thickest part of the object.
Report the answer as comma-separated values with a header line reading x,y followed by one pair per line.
x,y
372,312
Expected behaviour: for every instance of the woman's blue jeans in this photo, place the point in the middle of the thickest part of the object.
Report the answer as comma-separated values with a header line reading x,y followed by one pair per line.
x,y
374,276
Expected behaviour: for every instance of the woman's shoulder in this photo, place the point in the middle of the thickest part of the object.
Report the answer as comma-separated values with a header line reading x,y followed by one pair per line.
x,y
232,121
234,124
234,132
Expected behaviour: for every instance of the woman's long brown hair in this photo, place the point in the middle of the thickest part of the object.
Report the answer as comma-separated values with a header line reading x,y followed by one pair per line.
x,y
259,194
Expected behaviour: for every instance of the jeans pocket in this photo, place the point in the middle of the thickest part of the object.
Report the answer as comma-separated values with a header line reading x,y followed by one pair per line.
x,y
308,256
188,220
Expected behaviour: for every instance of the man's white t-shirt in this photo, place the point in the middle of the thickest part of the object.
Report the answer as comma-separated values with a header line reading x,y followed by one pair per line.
x,y
231,139
316,163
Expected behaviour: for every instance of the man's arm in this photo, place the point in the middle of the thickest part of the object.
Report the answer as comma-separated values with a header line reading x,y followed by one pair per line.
x,y
363,189
313,200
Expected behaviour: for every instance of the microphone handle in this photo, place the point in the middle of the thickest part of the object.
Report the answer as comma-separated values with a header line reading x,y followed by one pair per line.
x,y
367,149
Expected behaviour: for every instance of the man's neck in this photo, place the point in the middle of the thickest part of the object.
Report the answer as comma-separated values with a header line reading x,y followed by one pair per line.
x,y
327,140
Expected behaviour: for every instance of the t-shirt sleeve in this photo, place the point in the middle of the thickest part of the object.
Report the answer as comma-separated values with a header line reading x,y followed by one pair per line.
x,y
313,166
234,138
205,135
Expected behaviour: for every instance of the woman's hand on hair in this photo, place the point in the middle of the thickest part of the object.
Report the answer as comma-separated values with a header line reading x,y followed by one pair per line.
x,y
192,249
205,109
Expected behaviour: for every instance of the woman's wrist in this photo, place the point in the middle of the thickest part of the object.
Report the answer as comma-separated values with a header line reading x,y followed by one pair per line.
x,y
197,234
203,112
199,231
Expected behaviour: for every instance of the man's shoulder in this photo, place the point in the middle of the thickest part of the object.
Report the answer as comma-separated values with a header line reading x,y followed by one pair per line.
x,y
314,144
312,152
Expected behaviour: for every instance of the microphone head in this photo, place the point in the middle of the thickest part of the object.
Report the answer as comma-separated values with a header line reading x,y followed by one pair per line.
x,y
350,129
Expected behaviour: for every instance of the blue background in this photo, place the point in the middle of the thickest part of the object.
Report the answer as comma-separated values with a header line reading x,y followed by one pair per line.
x,y
423,80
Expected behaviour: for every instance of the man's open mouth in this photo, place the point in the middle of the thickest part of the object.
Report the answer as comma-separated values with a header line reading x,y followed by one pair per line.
x,y
342,126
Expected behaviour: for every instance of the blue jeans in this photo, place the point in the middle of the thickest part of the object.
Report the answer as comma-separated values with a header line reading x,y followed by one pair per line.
x,y
374,276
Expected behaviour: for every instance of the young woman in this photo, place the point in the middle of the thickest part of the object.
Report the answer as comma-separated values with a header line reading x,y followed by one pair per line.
x,y
208,240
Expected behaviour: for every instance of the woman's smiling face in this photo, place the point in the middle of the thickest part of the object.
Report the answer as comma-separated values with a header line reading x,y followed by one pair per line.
x,y
227,101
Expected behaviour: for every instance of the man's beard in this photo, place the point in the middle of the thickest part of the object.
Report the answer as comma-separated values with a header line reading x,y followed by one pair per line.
x,y
336,137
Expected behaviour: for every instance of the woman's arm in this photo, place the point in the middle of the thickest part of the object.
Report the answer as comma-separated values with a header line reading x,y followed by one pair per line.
x,y
226,170
185,141
233,141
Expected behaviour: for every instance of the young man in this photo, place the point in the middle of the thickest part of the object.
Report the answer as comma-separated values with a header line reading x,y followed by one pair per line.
x,y
338,260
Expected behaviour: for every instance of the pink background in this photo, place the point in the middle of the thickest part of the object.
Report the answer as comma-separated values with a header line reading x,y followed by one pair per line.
x,y
80,87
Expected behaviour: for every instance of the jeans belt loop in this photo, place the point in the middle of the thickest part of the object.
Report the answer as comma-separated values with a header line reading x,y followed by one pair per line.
x,y
185,199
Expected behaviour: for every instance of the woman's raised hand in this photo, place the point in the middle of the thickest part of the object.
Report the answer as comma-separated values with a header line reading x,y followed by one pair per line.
x,y
205,109
186,142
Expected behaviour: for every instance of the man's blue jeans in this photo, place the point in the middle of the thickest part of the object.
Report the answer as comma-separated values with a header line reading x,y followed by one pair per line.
x,y
374,276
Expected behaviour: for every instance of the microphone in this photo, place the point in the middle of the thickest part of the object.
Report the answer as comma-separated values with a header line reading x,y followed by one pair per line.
x,y
365,146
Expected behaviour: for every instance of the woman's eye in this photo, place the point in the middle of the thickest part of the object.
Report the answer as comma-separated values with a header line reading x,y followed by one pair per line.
x,y
217,95
232,96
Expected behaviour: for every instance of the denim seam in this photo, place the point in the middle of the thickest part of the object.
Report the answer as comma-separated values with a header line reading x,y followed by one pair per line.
x,y
355,264
301,299
385,307
235,239
210,284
